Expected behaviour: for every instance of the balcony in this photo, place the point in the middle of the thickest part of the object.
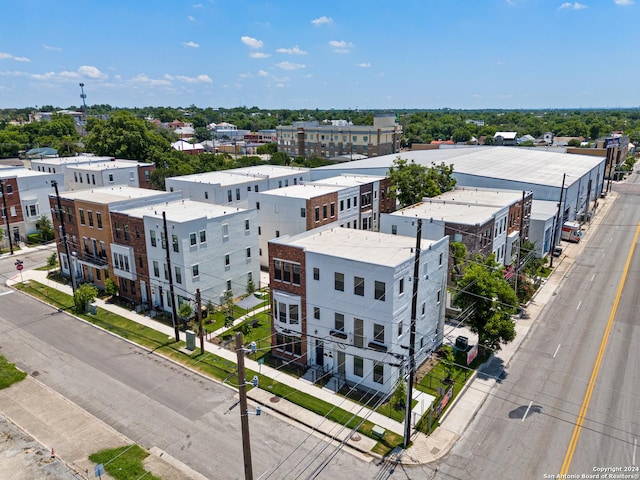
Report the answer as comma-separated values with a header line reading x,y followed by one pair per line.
x,y
99,261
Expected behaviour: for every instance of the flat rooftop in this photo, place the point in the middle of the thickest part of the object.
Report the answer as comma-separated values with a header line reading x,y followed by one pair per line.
x,y
348,180
17,171
107,165
240,175
305,190
78,159
480,196
357,245
271,171
106,195
464,214
179,211
543,209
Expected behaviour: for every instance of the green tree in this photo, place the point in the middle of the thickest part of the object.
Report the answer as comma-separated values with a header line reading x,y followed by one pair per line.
x,y
411,182
269,148
52,260
493,302
185,311
251,286
84,294
399,397
228,308
110,287
45,227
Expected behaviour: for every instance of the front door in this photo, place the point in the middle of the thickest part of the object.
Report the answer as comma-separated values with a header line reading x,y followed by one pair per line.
x,y
341,363
319,353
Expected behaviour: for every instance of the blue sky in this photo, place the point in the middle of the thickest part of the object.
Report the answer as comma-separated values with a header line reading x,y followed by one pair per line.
x,y
367,54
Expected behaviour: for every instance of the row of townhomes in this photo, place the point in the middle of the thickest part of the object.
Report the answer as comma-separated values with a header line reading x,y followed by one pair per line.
x,y
338,254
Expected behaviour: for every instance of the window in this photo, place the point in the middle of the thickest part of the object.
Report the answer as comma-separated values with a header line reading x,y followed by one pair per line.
x,y
296,274
379,292
358,286
140,262
237,194
163,240
277,269
358,368
126,232
256,189
90,217
438,296
316,313
32,210
225,232
358,332
99,220
82,217
229,285
378,333
333,209
378,372
440,259
192,239
195,270
317,214
401,286
229,196
246,225
152,235
293,314
324,212
423,308
166,271
156,269
248,252
178,275
110,178
341,205
203,236
338,322
137,232
303,212
257,205
316,273
338,281
227,261
277,233
282,312
174,241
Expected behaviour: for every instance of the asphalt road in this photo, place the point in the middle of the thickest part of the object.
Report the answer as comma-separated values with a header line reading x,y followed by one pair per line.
x,y
157,403
526,426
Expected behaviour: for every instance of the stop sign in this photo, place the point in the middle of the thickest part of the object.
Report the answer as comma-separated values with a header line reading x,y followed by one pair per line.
x,y
19,267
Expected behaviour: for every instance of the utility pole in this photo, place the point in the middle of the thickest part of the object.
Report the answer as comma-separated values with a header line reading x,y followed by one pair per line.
x,y
244,416
558,225
412,337
174,313
6,215
520,242
65,239
199,307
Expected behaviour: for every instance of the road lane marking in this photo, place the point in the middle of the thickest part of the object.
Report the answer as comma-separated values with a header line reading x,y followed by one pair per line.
x,y
596,368
527,411
6,293
579,303
557,350
635,444
594,276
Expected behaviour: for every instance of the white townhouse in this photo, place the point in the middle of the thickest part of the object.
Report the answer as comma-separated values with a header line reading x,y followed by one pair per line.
x,y
350,201
60,164
211,247
108,173
341,303
232,187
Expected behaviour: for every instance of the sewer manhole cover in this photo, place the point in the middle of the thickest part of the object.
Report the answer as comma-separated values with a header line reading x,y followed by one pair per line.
x,y
274,399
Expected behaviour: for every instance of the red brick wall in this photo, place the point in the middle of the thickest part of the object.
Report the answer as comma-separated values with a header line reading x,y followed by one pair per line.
x,y
137,242
319,202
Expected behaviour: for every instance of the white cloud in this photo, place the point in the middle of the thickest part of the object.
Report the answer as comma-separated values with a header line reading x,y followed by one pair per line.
x,y
52,48
364,65
624,3
323,20
5,56
191,18
572,6
502,63
281,85
197,79
340,46
262,73
259,55
191,44
252,42
292,51
290,66
66,74
144,80
91,72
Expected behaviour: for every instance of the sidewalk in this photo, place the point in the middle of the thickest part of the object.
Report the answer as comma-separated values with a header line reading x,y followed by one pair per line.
x,y
424,449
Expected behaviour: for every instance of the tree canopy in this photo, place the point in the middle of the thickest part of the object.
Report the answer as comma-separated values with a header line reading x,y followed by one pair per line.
x,y
411,182
484,289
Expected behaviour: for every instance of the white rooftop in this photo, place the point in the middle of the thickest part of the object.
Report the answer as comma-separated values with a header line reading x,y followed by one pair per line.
x,y
271,171
10,171
349,180
240,175
543,209
465,214
108,195
526,165
107,165
357,245
480,196
78,159
179,211
305,190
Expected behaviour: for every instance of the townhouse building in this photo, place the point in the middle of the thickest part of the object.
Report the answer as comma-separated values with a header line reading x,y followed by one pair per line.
x,y
340,138
60,164
350,201
25,197
108,173
211,247
341,303
90,232
232,187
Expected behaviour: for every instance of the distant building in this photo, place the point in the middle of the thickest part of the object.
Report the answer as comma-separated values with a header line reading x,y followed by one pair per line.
x,y
183,145
311,139
505,139
108,173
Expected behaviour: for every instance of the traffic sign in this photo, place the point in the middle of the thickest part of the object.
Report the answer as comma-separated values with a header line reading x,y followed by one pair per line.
x,y
19,267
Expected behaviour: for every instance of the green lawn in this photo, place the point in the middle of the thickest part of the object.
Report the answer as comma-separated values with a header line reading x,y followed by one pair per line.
x,y
124,463
9,374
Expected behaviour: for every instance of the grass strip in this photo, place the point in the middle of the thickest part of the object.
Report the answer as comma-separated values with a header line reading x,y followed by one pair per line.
x,y
124,463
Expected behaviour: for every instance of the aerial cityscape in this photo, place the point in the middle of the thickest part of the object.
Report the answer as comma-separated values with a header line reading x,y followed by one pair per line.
x,y
280,243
